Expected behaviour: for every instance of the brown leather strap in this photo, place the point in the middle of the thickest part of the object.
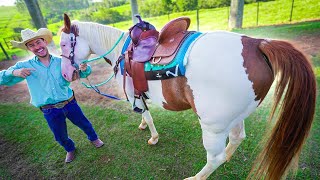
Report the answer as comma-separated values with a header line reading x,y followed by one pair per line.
x,y
58,105
124,77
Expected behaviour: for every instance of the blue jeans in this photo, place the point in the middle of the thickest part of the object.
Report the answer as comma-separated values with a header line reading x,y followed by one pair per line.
x,y
56,119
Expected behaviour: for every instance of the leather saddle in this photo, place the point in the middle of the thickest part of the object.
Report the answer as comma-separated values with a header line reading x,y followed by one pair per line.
x,y
150,45
170,38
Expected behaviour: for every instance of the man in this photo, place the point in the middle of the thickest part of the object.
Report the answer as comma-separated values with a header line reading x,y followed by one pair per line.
x,y
49,91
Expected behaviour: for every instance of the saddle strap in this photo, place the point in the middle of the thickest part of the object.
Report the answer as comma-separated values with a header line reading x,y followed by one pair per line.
x,y
125,75
140,83
136,71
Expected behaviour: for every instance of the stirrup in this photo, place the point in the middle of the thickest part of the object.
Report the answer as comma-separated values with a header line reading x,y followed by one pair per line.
x,y
136,108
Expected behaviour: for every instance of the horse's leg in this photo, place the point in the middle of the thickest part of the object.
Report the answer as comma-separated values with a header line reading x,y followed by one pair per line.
x,y
146,116
214,143
143,124
236,136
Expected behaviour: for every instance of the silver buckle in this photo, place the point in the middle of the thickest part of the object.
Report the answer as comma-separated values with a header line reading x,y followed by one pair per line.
x,y
59,105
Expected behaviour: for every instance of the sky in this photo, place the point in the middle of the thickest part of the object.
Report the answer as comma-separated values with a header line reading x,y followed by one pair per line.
x,y
7,2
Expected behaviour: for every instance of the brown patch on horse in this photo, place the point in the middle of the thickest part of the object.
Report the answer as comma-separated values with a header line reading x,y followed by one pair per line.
x,y
177,94
74,30
259,71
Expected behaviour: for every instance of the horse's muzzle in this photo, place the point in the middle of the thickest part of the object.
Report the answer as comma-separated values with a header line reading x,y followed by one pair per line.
x,y
75,75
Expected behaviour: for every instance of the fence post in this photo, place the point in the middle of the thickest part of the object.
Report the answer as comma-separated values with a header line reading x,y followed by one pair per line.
x,y
228,13
291,10
197,19
4,51
257,14
5,41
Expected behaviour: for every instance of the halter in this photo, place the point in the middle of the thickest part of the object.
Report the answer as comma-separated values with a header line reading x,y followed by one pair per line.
x,y
73,41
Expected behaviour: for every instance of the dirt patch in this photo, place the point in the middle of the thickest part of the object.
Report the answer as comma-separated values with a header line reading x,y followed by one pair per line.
x,y
309,44
101,71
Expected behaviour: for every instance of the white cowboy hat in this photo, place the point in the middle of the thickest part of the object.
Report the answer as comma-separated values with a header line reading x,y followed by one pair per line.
x,y
28,35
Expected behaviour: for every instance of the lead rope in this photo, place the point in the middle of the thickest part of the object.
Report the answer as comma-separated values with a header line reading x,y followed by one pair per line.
x,y
95,87
108,52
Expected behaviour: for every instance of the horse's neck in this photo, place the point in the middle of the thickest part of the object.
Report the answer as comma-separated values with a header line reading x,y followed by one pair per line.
x,y
106,41
102,38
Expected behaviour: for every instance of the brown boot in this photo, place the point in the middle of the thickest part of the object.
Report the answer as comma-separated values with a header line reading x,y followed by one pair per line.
x,y
70,156
97,143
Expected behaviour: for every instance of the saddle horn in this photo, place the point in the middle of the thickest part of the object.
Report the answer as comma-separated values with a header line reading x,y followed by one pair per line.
x,y
137,29
139,17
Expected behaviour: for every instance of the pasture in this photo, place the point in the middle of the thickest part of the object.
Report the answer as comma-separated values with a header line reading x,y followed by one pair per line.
x,y
29,151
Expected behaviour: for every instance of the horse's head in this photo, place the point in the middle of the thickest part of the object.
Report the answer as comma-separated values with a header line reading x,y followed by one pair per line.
x,y
74,50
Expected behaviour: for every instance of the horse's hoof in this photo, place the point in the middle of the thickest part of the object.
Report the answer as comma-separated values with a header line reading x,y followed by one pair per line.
x,y
153,141
190,178
228,158
142,127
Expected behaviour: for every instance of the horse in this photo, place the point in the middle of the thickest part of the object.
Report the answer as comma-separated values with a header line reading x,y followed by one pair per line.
x,y
227,76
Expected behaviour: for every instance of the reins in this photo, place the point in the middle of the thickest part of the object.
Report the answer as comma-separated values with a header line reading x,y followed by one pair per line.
x,y
95,88
108,52
71,58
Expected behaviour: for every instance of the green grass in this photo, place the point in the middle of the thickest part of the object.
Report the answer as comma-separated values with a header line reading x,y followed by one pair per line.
x,y
272,12
288,31
126,155
124,9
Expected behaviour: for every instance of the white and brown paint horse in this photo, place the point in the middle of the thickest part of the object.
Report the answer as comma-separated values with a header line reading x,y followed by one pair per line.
x,y
227,76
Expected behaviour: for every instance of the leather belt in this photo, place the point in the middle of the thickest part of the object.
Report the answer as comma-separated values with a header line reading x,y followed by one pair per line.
x,y
58,105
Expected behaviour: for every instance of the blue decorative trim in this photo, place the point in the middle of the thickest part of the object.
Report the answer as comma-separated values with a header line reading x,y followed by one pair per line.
x,y
124,48
179,56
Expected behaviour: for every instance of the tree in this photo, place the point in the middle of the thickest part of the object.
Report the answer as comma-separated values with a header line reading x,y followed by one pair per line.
x,y
167,5
35,13
52,10
207,4
189,5
236,14
38,20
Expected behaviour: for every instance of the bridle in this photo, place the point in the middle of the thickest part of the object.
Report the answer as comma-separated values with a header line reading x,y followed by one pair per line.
x,y
73,41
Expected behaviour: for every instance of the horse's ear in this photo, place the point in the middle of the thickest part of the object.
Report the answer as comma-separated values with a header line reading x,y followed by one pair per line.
x,y
67,24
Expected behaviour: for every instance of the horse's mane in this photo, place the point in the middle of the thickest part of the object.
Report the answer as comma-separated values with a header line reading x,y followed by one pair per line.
x,y
98,35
